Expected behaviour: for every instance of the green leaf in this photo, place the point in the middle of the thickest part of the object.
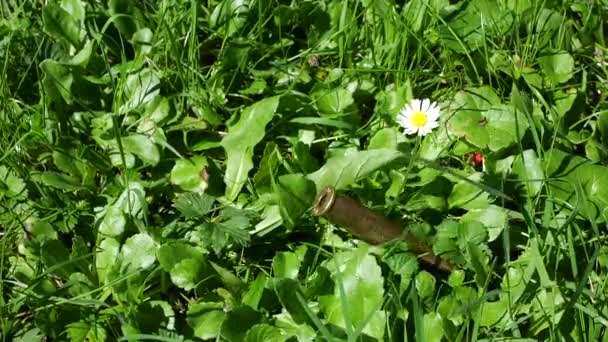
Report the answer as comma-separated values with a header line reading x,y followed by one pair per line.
x,y
206,319
296,195
469,196
194,205
139,251
229,16
433,327
142,146
290,293
425,285
303,332
557,67
492,313
106,257
405,265
142,40
122,12
483,121
266,333
54,253
140,89
231,231
495,218
58,180
171,253
529,170
337,101
43,230
57,81
386,138
131,203
286,265
242,137
394,98
190,174
11,185
60,24
469,28
238,322
358,274
343,171
575,180
82,331
187,273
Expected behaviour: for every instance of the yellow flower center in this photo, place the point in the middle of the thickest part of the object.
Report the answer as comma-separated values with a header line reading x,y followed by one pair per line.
x,y
419,119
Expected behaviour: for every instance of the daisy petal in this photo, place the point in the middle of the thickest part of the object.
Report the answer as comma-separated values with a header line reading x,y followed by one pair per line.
x,y
425,105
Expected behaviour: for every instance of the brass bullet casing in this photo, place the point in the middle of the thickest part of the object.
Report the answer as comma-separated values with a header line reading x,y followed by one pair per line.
x,y
370,226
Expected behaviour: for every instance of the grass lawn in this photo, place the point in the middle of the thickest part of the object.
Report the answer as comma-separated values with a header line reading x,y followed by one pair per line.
x,y
163,164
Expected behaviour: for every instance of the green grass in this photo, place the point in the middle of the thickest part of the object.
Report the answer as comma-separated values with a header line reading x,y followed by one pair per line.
x,y
159,161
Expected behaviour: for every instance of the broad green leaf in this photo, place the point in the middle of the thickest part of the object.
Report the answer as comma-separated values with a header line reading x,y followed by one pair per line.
x,y
122,12
190,174
142,40
194,205
557,67
43,230
357,273
108,251
60,24
469,29
187,273
143,147
483,121
55,254
405,265
57,81
265,332
343,171
171,253
433,327
229,16
425,285
11,185
495,218
83,331
303,332
286,265
338,101
206,319
479,261
529,170
394,98
155,315
386,138
139,251
114,222
140,89
492,313
231,232
472,232
289,293
296,195
575,180
469,196
242,137
58,180
131,202
254,292
238,322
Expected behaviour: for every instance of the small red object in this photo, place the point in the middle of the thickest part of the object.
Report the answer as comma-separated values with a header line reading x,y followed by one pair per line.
x,y
476,158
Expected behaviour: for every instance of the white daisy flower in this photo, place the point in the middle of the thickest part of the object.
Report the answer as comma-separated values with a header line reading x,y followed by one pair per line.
x,y
419,117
